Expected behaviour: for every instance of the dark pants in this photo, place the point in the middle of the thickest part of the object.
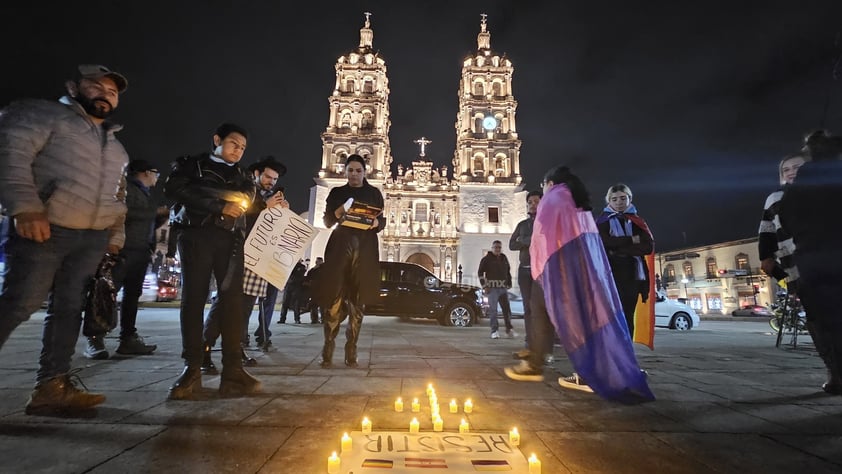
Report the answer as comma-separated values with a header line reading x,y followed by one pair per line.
x,y
58,269
266,309
819,288
500,295
346,303
542,331
212,327
292,295
205,252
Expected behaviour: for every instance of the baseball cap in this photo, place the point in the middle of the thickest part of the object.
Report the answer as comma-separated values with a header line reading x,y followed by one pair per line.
x,y
95,71
139,166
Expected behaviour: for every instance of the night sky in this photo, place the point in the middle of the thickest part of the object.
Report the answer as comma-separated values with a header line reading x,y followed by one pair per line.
x,y
691,104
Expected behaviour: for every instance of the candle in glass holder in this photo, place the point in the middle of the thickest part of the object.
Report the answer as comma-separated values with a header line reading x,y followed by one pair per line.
x,y
534,465
399,404
416,407
366,425
438,424
468,407
333,464
514,437
454,408
463,427
414,425
434,409
430,389
346,442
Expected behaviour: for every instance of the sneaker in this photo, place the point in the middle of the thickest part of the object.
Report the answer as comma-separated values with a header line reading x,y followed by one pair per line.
x,y
96,348
134,345
575,382
524,372
511,334
495,335
60,395
522,354
549,359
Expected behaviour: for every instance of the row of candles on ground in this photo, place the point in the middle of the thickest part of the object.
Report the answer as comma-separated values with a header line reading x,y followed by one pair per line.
x,y
438,425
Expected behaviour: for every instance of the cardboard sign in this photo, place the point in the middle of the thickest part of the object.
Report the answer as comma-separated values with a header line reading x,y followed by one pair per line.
x,y
277,241
431,452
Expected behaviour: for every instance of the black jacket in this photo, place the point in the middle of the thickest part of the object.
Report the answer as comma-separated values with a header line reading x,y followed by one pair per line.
x,y
201,187
495,271
520,240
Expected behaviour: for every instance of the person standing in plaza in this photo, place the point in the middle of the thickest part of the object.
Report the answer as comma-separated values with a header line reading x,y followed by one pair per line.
x,y
806,213
309,287
519,241
495,277
265,174
570,269
142,219
61,181
214,194
627,240
292,293
350,276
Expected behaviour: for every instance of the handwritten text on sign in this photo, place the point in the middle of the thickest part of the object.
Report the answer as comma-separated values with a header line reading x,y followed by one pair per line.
x,y
277,241
434,452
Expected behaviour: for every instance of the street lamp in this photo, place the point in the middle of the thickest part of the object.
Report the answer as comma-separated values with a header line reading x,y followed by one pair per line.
x,y
685,281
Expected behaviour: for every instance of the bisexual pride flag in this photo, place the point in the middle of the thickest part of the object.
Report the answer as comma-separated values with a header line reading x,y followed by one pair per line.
x,y
570,264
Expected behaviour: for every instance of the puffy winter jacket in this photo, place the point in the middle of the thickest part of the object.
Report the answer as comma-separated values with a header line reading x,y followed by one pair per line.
x,y
55,160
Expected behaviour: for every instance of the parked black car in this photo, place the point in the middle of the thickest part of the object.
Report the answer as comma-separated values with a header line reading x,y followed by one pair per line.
x,y
409,290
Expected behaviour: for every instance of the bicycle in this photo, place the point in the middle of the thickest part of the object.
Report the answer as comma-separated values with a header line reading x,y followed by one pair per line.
x,y
789,318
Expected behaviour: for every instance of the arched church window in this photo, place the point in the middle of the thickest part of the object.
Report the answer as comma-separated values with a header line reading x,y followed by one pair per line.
x,y
497,89
346,119
478,125
479,89
368,86
349,85
367,121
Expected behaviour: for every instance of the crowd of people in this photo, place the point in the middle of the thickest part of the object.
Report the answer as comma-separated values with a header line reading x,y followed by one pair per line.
x,y
72,197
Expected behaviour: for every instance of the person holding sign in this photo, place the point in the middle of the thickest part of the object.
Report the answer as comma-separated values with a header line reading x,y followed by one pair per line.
x,y
351,270
214,193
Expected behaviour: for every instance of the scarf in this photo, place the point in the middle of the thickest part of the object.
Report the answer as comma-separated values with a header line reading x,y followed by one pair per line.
x,y
620,225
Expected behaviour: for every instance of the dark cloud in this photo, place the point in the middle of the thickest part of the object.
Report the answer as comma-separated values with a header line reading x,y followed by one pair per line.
x,y
691,104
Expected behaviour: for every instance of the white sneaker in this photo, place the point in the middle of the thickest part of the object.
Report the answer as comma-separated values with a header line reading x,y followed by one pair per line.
x,y
495,335
511,334
575,382
549,359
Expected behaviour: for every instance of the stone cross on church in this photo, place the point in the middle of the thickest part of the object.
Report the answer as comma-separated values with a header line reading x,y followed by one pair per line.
x,y
423,142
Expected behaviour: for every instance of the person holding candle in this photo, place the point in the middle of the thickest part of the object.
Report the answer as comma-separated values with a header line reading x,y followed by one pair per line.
x,y
351,276
570,268
213,193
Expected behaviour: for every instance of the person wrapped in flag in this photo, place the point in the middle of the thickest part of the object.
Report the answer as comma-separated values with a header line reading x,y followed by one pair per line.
x,y
627,240
575,295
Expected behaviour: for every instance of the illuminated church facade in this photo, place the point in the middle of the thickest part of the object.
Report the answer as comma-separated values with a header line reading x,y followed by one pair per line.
x,y
438,216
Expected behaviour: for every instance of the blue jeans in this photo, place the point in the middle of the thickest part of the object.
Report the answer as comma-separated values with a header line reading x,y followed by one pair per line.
x,y
266,307
500,295
59,270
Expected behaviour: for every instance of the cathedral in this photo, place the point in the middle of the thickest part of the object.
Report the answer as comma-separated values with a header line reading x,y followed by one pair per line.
x,y
442,218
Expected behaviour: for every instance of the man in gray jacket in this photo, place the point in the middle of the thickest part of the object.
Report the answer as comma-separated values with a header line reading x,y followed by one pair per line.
x,y
61,179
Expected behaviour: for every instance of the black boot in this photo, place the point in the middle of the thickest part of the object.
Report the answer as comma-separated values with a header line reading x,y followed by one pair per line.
x,y
186,384
207,364
248,361
236,382
352,335
351,356
824,346
327,354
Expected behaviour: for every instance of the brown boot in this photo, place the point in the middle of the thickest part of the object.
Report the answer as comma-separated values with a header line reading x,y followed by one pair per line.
x,y
237,382
188,382
59,394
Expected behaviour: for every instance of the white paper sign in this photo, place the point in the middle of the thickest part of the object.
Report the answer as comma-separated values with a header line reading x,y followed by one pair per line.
x,y
277,241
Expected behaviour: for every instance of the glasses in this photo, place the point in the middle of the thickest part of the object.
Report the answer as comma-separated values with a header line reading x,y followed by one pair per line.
x,y
155,172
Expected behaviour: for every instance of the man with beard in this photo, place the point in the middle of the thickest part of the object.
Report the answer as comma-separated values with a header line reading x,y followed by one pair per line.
x,y
61,178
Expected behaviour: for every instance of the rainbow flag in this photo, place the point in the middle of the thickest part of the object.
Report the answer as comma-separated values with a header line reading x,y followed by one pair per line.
x,y
570,264
644,313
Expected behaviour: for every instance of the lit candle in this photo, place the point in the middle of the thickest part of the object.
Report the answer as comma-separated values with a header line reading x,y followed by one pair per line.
x,y
463,427
454,408
434,399
434,409
414,425
333,464
534,465
438,424
416,407
366,425
346,442
430,389
514,437
468,406
399,404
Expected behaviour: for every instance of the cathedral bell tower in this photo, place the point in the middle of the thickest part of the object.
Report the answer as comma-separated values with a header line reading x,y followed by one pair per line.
x,y
358,119
487,144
